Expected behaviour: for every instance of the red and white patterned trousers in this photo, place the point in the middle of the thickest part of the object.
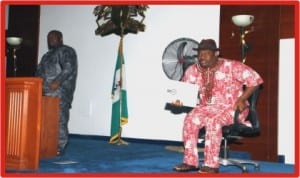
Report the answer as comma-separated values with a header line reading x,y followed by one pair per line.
x,y
213,118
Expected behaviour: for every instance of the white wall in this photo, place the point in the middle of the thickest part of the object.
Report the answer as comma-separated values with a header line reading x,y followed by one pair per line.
x,y
91,112
286,121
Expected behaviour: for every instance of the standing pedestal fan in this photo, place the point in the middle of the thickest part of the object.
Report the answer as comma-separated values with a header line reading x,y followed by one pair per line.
x,y
178,56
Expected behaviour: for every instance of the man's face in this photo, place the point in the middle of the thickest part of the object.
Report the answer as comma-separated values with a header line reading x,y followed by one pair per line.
x,y
207,58
53,40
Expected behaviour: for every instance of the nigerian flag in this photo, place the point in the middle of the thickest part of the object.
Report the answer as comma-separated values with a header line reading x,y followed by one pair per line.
x,y
119,115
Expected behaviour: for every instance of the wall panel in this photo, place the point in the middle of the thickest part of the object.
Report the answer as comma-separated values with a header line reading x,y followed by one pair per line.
x,y
263,57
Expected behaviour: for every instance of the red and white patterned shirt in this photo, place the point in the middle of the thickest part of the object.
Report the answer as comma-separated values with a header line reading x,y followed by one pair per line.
x,y
223,84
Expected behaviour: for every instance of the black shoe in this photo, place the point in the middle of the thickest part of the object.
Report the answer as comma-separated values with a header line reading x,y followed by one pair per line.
x,y
206,169
185,168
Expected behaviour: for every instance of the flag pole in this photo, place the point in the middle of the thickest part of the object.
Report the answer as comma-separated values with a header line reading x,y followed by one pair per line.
x,y
119,141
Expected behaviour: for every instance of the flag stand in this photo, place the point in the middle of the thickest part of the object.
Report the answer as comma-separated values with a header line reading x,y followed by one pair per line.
x,y
119,141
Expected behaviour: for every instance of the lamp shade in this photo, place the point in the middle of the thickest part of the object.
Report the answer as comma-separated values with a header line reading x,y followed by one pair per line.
x,y
14,41
242,20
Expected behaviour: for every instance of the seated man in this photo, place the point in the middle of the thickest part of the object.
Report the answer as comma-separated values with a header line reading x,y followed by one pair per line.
x,y
221,91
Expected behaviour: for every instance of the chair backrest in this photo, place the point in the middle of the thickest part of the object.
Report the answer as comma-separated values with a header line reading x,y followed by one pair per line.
x,y
253,116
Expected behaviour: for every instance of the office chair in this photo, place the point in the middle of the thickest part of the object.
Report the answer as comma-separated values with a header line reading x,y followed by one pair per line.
x,y
238,131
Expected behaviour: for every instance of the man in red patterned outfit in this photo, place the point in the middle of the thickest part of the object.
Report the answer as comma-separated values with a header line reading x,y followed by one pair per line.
x,y
221,92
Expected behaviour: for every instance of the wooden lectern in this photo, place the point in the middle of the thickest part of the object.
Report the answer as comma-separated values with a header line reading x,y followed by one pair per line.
x,y
29,124
49,127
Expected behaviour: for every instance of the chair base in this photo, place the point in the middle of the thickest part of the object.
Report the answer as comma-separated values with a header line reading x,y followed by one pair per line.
x,y
238,162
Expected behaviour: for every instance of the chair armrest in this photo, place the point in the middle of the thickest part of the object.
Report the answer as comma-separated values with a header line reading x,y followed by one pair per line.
x,y
241,129
236,124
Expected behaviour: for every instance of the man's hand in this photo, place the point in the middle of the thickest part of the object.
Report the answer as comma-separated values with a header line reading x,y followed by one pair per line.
x,y
177,103
240,104
54,85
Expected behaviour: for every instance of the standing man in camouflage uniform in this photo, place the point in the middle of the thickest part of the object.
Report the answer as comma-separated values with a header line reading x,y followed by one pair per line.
x,y
58,69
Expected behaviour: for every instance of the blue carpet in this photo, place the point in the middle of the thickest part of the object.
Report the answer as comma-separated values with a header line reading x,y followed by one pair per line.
x,y
96,155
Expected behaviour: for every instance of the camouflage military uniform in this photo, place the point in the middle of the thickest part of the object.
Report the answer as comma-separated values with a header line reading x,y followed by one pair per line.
x,y
60,64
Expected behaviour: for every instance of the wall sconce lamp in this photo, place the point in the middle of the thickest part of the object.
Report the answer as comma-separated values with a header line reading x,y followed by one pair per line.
x,y
14,43
243,21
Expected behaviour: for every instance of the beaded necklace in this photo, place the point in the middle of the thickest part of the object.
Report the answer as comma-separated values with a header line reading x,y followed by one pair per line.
x,y
208,76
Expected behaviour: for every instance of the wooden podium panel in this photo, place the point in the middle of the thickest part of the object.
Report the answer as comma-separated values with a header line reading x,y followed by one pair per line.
x,y
23,122
49,127
31,123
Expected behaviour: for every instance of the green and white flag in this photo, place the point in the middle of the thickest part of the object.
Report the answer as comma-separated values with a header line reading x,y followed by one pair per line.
x,y
119,114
